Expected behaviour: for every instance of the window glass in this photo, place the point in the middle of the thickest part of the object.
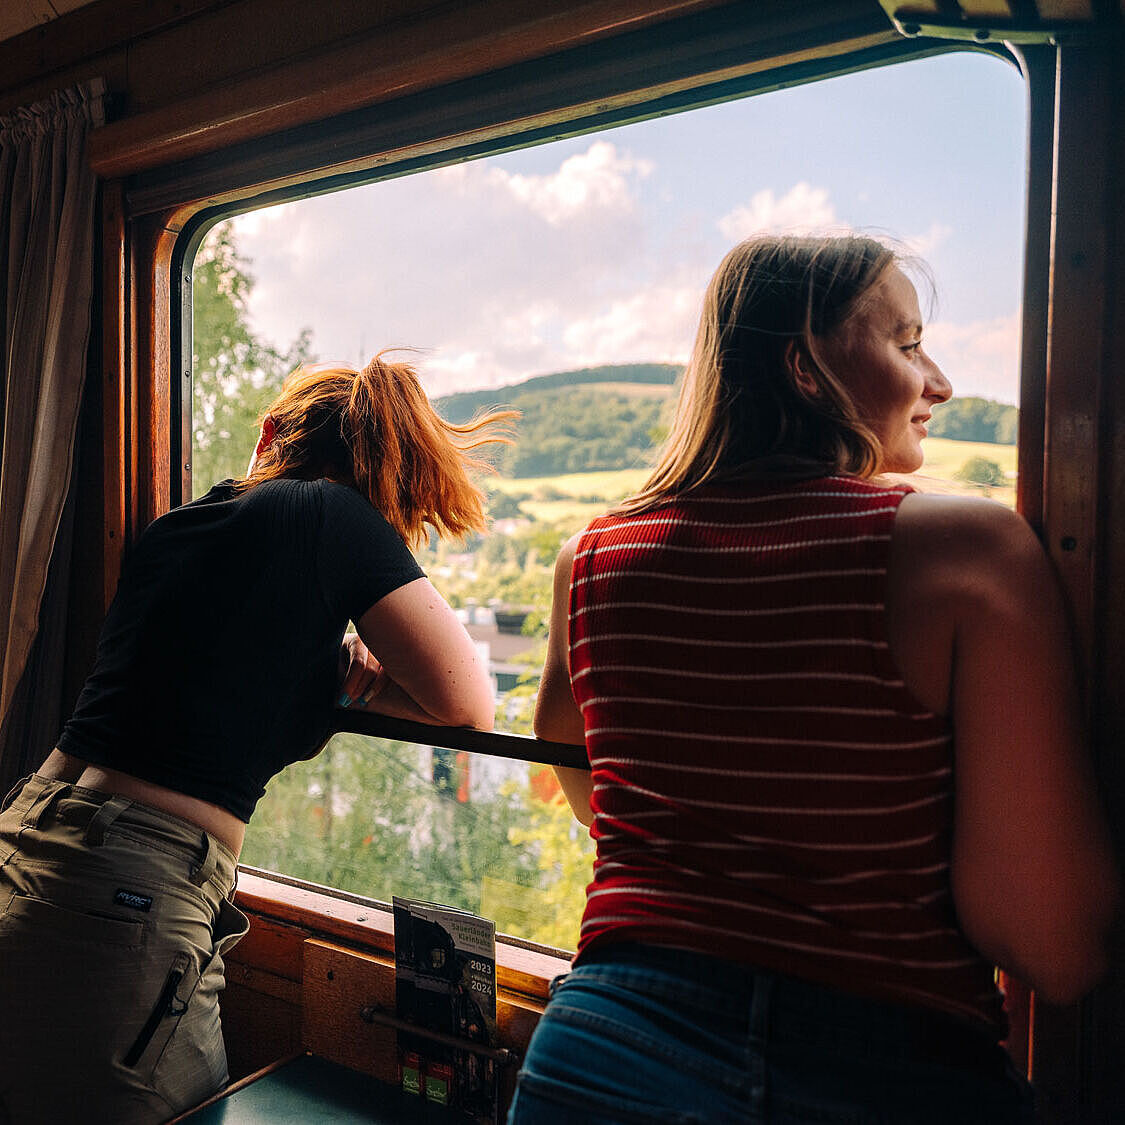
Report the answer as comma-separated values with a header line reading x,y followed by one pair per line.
x,y
565,280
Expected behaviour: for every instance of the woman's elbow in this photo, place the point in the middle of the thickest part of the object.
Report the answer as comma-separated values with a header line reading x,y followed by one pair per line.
x,y
474,708
1062,963
1069,978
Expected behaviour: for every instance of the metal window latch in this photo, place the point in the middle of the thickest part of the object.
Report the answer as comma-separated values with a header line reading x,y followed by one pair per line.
x,y
951,21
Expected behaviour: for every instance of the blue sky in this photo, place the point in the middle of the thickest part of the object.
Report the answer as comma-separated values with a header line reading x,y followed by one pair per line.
x,y
596,250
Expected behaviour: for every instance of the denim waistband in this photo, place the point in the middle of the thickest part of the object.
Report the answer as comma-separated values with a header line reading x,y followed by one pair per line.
x,y
802,1011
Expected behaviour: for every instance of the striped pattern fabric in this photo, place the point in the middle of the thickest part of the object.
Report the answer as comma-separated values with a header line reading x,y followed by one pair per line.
x,y
765,787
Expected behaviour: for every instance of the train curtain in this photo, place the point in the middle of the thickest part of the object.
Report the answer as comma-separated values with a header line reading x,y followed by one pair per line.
x,y
47,240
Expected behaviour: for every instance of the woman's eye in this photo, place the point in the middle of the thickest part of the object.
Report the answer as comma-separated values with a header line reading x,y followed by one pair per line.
x,y
910,349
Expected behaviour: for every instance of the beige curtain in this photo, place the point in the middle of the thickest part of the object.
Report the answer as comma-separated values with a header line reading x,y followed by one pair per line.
x,y
47,239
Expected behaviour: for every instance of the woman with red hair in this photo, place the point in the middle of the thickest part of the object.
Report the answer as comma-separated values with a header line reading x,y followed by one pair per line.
x,y
218,665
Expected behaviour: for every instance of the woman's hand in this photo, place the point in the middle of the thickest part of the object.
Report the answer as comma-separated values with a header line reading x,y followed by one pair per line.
x,y
362,676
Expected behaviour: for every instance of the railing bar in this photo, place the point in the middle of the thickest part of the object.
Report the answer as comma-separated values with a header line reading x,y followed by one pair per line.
x,y
517,746
372,1014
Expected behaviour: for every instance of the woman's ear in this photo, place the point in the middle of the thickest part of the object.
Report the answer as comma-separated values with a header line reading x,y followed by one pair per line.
x,y
802,370
265,439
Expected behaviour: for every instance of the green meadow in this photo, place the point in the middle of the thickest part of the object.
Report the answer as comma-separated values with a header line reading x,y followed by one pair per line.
x,y
573,498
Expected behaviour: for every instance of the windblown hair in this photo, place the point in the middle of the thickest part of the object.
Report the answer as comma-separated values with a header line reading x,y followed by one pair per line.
x,y
741,410
376,430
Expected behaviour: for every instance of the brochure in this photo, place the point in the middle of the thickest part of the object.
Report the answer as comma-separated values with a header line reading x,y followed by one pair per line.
x,y
445,981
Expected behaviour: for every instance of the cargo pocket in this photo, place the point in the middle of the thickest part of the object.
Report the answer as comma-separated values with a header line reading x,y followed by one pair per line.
x,y
42,920
166,1012
192,1063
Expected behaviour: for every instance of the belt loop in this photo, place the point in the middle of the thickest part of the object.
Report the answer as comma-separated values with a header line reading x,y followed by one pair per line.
x,y
16,789
43,804
207,864
760,1008
103,818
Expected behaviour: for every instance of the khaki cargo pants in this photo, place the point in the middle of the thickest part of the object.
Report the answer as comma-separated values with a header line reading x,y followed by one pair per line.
x,y
113,921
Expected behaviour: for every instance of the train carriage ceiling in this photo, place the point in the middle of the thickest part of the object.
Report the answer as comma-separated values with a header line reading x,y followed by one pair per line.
x,y
18,16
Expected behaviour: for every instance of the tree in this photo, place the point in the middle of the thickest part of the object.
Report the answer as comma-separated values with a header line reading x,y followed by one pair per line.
x,y
982,471
235,373
976,419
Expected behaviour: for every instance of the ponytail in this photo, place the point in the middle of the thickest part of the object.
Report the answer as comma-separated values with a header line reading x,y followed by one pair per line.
x,y
376,431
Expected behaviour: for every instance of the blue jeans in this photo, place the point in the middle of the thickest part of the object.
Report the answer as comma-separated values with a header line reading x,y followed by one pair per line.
x,y
648,1036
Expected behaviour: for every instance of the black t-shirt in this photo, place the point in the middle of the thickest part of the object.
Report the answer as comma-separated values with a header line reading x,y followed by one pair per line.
x,y
217,664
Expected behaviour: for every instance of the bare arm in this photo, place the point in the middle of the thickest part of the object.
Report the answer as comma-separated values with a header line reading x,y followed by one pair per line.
x,y
1034,879
426,666
556,714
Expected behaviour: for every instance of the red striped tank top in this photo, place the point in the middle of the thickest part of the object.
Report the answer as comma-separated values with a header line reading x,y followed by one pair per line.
x,y
765,788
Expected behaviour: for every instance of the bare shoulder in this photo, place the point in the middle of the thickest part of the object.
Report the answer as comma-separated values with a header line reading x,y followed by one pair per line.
x,y
961,519
967,540
570,548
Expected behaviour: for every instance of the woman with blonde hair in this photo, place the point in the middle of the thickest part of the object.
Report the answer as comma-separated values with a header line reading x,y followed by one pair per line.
x,y
836,773
218,665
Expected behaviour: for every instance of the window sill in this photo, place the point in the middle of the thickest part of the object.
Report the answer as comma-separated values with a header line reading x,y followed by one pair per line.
x,y
526,972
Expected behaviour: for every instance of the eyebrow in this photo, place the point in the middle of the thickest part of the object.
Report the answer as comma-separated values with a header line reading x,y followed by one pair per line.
x,y
914,327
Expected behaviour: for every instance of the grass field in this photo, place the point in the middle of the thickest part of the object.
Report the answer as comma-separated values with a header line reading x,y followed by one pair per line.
x,y
587,494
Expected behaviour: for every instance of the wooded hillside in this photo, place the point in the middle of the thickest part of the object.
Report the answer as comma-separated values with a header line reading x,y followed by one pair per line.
x,y
600,418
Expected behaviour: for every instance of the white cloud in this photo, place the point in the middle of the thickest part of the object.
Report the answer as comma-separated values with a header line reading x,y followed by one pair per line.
x,y
805,209
254,223
600,180
801,210
655,324
979,357
929,241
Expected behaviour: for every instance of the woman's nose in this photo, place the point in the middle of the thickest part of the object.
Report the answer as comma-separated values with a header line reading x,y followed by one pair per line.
x,y
938,387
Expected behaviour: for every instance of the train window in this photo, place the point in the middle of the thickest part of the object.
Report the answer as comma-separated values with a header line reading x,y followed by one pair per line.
x,y
564,280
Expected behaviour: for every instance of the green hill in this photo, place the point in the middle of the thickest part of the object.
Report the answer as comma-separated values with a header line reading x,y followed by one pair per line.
x,y
578,421
462,406
599,419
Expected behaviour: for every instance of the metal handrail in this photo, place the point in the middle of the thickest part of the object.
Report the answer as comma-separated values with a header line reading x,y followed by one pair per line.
x,y
520,747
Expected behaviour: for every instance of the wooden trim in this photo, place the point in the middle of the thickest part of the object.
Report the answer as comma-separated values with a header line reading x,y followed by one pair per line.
x,y
421,132
151,241
234,1087
115,389
1038,67
525,972
452,43
1076,332
1079,373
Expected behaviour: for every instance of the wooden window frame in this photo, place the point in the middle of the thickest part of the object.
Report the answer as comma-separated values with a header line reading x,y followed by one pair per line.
x,y
1070,450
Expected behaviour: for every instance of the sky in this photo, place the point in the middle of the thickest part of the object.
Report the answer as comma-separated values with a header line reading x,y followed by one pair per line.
x,y
596,250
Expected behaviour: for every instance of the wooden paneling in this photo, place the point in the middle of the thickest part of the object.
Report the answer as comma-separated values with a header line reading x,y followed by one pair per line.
x,y
270,947
1075,334
1106,1011
658,69
294,912
451,43
1077,1049
258,1027
338,984
91,32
